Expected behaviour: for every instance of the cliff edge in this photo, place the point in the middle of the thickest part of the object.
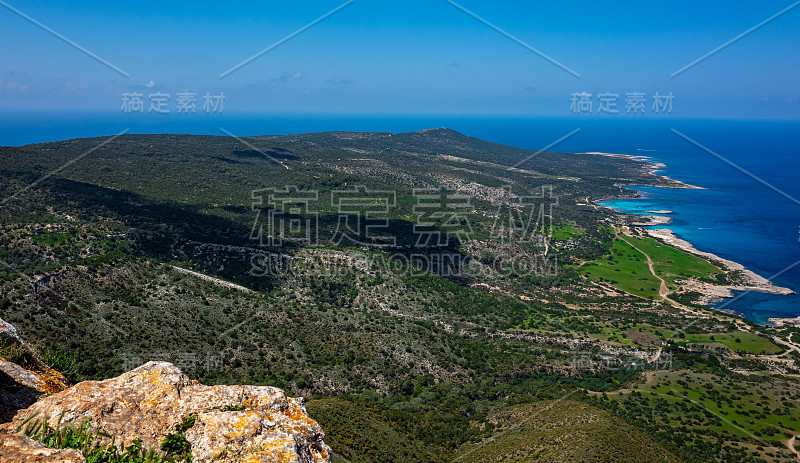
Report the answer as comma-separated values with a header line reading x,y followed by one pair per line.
x,y
228,423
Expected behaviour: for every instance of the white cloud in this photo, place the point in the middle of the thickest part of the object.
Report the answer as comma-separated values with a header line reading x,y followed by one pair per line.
x,y
290,75
71,88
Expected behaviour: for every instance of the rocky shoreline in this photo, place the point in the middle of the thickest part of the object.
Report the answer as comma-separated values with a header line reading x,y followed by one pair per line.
x,y
651,167
784,322
751,280
652,220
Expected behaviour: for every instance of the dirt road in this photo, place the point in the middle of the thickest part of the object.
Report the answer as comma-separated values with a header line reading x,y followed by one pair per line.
x,y
663,291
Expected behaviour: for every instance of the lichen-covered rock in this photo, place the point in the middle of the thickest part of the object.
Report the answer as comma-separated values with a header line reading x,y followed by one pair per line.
x,y
21,449
22,383
233,424
42,379
7,330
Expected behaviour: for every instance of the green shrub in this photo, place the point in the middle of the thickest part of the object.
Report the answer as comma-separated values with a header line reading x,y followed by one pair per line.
x,y
89,442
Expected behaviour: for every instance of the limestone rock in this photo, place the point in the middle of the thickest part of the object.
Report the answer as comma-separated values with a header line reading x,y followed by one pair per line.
x,y
22,383
234,423
20,449
7,330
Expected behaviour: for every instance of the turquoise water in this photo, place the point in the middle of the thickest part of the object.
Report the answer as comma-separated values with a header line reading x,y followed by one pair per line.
x,y
737,217
750,229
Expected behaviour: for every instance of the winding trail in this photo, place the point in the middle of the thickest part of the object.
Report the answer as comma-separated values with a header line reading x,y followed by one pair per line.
x,y
790,445
663,291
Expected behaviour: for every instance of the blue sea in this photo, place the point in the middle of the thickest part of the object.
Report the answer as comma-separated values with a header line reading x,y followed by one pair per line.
x,y
748,212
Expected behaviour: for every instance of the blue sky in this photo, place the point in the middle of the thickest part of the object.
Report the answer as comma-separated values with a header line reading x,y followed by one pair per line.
x,y
405,56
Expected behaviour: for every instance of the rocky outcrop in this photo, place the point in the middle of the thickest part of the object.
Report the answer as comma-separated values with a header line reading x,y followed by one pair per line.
x,y
782,322
20,449
24,377
233,423
7,330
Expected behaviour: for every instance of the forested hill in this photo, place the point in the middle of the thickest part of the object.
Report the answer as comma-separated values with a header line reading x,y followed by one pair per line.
x,y
316,264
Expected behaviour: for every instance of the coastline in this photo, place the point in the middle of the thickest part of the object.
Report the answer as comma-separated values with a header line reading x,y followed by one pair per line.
x,y
749,280
651,167
784,322
652,221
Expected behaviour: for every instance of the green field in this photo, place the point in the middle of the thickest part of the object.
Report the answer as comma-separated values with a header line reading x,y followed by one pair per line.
x,y
565,232
706,404
626,268
749,343
672,264
52,238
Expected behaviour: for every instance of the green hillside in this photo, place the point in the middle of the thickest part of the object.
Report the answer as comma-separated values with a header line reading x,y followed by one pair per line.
x,y
156,247
561,431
